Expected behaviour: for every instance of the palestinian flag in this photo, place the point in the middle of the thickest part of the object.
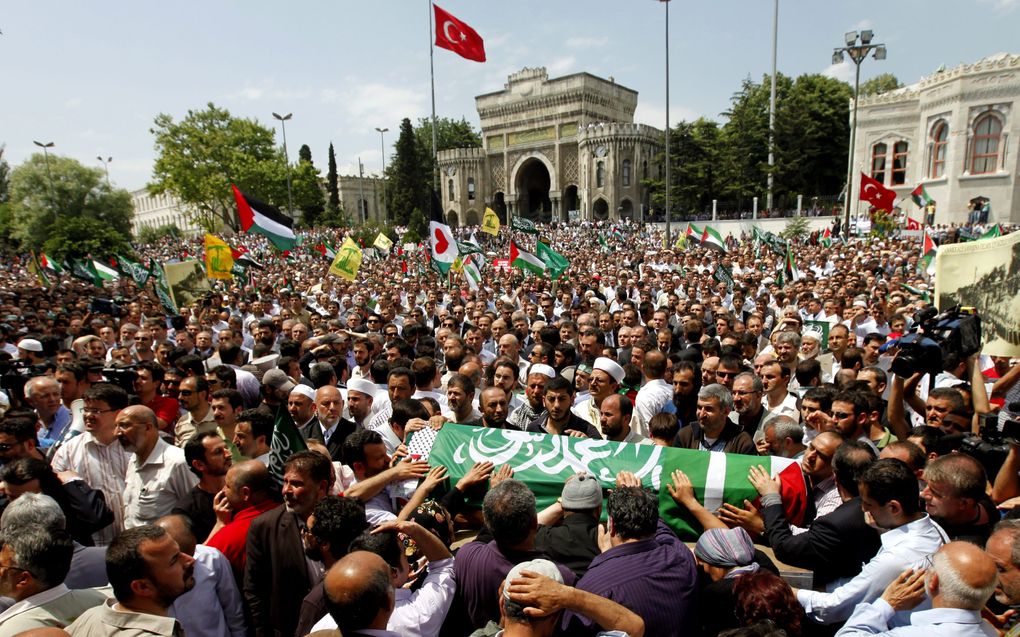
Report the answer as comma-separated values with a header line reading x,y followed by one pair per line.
x,y
525,260
928,252
693,235
826,238
37,269
444,246
713,240
326,250
105,272
920,196
791,273
260,217
49,263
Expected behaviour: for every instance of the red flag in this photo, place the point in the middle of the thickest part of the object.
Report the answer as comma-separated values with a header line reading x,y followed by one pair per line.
x,y
403,267
876,194
454,35
913,224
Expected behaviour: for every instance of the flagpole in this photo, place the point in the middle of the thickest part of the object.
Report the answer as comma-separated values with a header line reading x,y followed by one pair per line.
x,y
432,80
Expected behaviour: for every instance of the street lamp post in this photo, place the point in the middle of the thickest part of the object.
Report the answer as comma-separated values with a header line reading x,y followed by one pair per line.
x,y
858,46
283,124
669,239
106,166
382,148
49,175
772,107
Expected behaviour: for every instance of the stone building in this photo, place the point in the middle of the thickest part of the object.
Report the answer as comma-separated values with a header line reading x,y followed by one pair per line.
x,y
553,149
956,131
154,211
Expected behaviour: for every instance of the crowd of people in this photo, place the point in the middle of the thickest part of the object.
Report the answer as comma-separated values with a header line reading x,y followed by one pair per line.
x,y
148,489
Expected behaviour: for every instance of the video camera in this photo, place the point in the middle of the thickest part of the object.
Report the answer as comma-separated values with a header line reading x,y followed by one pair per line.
x,y
991,445
957,330
15,373
123,377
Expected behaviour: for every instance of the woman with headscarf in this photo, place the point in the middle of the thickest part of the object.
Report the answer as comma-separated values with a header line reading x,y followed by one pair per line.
x,y
723,555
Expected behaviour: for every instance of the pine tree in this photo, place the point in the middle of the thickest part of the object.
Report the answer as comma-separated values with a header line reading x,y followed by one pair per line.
x,y
305,153
333,205
406,191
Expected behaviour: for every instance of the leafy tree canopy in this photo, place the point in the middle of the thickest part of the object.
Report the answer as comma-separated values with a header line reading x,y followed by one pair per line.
x,y
880,84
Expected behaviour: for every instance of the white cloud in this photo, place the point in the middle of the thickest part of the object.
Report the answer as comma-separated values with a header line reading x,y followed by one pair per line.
x,y
843,71
561,65
377,104
654,114
74,102
586,42
267,90
1003,6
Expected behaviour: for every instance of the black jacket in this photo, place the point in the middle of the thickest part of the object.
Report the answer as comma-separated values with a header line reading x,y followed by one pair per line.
x,y
336,442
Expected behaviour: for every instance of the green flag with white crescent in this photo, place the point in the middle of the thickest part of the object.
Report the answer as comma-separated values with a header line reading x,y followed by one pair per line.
x,y
544,462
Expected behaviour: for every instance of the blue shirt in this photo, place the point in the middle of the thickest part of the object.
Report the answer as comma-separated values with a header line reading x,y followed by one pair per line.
x,y
873,619
655,578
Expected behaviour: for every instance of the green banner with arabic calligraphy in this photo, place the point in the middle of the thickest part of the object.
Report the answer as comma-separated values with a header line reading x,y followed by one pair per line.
x,y
544,462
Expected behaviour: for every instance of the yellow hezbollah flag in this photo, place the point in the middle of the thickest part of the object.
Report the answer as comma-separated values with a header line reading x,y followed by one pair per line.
x,y
347,261
490,222
383,242
218,258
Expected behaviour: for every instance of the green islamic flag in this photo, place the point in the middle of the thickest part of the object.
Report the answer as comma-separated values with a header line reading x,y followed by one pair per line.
x,y
287,441
523,225
133,269
554,261
156,271
544,463
86,271
165,298
722,274
994,231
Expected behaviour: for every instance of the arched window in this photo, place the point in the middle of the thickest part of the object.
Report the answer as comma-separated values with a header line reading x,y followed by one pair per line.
x,y
878,153
644,169
939,147
984,155
449,188
899,163
600,175
626,172
471,188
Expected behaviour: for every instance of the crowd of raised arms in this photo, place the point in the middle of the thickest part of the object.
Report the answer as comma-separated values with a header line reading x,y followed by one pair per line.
x,y
149,487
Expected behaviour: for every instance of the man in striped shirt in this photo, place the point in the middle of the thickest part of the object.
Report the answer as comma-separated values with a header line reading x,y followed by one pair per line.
x,y
97,456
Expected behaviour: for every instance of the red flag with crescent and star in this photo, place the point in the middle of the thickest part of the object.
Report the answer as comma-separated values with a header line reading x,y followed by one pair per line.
x,y
454,35
876,194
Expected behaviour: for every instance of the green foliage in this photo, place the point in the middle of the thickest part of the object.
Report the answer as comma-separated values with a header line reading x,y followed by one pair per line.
x,y
152,235
201,155
368,231
332,187
309,197
81,214
305,153
407,184
796,228
880,84
450,133
5,178
417,227
882,224
729,162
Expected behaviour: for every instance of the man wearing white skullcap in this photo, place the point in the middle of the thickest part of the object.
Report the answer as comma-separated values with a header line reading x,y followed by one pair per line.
x,y
360,396
534,390
301,405
605,380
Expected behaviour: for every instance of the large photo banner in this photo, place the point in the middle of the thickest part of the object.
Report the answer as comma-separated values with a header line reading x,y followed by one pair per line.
x,y
984,275
544,462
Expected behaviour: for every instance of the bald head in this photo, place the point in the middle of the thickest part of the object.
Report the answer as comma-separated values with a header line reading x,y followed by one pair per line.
x,y
179,528
965,577
359,593
137,429
139,414
329,405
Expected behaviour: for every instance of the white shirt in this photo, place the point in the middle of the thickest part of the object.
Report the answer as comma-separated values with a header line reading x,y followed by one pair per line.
x,y
902,548
102,467
420,613
786,408
874,618
155,484
650,401
212,608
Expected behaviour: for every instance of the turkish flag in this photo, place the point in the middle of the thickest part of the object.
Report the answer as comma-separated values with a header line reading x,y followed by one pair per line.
x,y
876,194
454,35
913,224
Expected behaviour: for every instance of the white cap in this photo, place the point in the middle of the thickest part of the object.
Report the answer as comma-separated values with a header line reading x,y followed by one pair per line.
x,y
543,369
610,367
30,345
366,387
304,390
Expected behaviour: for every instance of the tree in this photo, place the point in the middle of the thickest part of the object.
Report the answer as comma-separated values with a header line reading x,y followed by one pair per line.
x,y
307,187
880,84
80,215
450,133
5,177
200,156
332,187
417,227
406,190
152,235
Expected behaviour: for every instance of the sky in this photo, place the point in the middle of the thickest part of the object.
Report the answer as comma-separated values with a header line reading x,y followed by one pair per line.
x,y
91,76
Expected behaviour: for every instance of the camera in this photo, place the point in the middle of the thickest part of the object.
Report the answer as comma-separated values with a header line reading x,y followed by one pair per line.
x,y
955,331
105,306
15,373
123,377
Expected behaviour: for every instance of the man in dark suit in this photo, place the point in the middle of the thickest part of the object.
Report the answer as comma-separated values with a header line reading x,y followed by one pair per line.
x,y
277,575
328,427
836,545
